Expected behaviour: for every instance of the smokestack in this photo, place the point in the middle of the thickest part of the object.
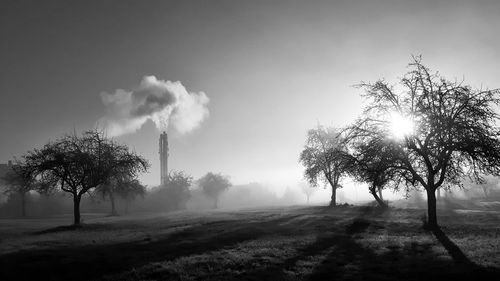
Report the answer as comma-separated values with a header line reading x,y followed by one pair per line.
x,y
164,158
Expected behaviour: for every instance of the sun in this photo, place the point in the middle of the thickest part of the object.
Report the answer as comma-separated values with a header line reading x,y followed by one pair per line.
x,y
400,126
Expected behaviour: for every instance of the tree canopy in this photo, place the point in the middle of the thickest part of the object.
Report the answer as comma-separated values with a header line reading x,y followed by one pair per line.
x,y
177,189
123,187
325,158
373,163
20,179
213,185
307,190
79,163
453,129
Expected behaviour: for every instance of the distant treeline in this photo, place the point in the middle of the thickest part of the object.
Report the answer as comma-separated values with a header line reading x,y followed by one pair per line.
x,y
157,199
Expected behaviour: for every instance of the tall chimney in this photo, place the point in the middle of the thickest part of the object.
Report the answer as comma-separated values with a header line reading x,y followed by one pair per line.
x,y
164,158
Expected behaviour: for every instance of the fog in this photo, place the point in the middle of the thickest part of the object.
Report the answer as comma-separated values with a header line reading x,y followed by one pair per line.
x,y
250,195
474,196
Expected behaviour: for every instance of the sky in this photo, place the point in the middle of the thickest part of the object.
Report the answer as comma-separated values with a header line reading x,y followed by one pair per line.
x,y
270,70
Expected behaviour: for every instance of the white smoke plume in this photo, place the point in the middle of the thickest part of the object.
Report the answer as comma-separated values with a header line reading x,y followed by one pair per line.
x,y
166,103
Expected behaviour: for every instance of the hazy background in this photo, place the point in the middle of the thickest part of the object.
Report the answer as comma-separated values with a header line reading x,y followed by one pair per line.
x,y
271,70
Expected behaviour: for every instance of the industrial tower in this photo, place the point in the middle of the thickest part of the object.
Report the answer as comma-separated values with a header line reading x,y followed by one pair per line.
x,y
164,158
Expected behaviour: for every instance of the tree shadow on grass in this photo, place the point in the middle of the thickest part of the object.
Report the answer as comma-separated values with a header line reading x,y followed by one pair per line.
x,y
455,252
348,259
461,260
62,228
415,261
91,262
342,255
333,237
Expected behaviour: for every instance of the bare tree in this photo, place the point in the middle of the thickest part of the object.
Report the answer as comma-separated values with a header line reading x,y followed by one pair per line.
x,y
307,190
373,162
135,189
325,158
177,189
453,129
20,180
122,187
78,163
213,185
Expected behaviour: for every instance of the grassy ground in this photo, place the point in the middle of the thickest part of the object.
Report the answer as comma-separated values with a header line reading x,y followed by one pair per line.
x,y
298,243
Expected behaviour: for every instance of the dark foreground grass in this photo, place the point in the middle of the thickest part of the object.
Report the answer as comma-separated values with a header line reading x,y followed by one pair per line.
x,y
317,243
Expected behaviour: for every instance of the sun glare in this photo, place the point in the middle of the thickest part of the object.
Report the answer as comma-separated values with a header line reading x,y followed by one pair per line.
x,y
400,126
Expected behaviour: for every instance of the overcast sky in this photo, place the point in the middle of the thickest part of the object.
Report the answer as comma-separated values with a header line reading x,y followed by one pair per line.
x,y
270,69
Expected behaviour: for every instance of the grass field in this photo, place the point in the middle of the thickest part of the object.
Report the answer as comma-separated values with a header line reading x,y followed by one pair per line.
x,y
296,243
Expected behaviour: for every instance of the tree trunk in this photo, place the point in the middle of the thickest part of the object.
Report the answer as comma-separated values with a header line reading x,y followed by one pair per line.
x,y
431,208
333,202
308,199
76,209
485,191
380,201
215,202
380,194
113,207
23,204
